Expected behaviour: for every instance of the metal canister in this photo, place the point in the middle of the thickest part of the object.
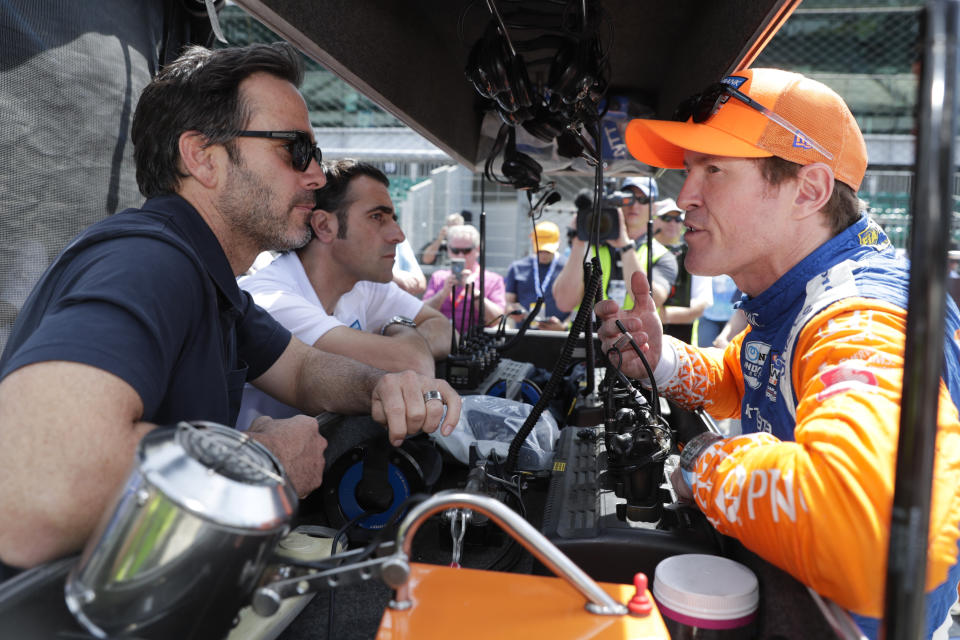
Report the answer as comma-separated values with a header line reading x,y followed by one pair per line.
x,y
188,538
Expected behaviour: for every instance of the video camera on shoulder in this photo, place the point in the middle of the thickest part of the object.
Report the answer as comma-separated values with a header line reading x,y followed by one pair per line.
x,y
609,221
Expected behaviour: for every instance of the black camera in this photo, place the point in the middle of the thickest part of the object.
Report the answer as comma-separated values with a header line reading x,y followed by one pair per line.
x,y
456,267
609,220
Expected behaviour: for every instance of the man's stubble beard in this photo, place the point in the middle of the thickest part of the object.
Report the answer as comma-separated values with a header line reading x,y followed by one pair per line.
x,y
248,204
361,270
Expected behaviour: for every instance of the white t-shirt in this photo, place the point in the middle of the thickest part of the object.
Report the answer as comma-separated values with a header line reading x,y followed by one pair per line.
x,y
283,289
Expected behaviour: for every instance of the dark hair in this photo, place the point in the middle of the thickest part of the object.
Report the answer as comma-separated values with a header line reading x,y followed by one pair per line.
x,y
843,207
199,91
339,174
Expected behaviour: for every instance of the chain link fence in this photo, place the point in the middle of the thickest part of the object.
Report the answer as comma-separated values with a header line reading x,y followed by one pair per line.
x,y
868,52
332,102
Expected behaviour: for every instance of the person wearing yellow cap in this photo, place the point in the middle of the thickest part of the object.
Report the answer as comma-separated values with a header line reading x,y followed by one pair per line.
x,y
531,277
773,161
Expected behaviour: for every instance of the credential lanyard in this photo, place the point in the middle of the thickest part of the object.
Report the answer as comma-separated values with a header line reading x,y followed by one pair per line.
x,y
536,274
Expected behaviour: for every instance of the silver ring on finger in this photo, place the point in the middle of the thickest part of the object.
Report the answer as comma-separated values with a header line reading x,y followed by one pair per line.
x,y
432,395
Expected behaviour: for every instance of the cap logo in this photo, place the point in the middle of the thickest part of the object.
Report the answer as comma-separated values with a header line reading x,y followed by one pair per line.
x,y
734,81
801,143
874,236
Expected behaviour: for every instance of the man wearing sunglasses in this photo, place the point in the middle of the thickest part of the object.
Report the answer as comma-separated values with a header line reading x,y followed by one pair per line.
x,y
622,256
773,163
691,294
455,292
336,291
140,323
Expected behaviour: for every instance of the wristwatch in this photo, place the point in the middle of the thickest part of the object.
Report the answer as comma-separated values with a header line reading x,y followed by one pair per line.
x,y
405,321
696,446
630,246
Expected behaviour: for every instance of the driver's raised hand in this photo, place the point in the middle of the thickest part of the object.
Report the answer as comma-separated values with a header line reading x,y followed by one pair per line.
x,y
642,322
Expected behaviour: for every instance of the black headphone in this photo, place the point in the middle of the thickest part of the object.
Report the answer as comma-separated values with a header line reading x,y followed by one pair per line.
x,y
521,170
577,79
544,125
501,76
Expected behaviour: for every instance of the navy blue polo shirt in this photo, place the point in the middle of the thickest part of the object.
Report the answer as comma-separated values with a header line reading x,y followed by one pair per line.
x,y
520,280
148,295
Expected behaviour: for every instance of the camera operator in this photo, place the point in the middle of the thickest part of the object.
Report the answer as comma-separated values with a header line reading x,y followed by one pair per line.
x,y
435,251
620,256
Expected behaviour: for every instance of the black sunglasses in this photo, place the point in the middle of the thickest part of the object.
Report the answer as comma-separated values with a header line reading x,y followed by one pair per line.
x,y
302,148
704,105
625,198
460,250
672,218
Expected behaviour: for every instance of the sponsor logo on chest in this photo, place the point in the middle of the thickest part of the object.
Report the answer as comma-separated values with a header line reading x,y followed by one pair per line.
x,y
754,358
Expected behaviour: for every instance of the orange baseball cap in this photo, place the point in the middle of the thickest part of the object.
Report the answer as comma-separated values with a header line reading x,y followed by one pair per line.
x,y
739,130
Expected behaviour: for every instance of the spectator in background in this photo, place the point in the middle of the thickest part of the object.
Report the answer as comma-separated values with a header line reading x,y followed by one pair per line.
x,y
434,252
531,277
717,315
736,324
691,294
407,272
446,286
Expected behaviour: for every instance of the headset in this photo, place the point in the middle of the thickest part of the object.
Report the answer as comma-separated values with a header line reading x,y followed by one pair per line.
x,y
500,74
572,73
519,170
577,76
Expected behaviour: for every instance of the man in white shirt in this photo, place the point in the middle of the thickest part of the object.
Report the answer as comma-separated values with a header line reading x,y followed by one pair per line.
x,y
336,292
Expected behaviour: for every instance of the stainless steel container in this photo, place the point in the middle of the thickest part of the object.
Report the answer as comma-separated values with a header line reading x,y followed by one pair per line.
x,y
188,538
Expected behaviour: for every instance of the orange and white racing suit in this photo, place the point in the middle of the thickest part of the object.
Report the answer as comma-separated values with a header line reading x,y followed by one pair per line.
x,y
816,380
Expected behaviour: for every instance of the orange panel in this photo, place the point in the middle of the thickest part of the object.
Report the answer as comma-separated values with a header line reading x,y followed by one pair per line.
x,y
469,603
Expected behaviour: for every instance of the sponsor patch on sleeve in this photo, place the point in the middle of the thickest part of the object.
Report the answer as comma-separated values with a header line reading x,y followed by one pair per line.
x,y
846,376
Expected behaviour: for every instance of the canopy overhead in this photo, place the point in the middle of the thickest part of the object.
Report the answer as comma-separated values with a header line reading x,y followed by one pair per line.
x,y
410,57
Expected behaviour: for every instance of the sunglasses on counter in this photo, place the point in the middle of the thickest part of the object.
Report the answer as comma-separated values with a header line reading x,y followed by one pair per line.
x,y
302,149
460,250
704,105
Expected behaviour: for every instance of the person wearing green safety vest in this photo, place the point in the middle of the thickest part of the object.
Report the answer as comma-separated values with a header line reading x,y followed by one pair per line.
x,y
691,294
620,257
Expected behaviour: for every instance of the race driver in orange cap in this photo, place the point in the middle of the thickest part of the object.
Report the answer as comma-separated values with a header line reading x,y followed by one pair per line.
x,y
773,162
